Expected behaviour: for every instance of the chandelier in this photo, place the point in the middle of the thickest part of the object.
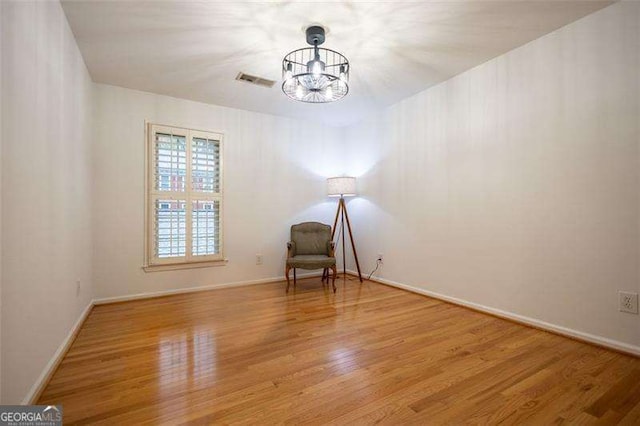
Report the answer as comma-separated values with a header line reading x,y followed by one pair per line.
x,y
314,74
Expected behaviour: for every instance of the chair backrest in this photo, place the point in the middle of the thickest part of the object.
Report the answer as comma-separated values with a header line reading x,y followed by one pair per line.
x,y
311,238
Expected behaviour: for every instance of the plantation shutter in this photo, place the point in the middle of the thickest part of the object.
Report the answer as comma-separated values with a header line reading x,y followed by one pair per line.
x,y
184,196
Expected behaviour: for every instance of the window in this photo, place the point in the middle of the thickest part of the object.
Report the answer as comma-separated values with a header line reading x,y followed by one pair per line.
x,y
184,196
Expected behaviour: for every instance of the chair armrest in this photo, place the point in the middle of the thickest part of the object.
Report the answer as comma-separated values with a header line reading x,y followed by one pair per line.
x,y
291,249
331,247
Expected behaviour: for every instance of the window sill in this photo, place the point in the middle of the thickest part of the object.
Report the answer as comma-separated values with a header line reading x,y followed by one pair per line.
x,y
190,265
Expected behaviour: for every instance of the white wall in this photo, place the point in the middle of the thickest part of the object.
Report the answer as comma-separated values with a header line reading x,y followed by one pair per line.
x,y
2,101
516,184
46,192
275,170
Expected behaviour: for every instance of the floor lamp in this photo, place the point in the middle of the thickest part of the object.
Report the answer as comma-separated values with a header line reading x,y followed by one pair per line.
x,y
343,187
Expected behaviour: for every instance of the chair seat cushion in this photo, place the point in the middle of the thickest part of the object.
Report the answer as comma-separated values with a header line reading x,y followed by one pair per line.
x,y
311,261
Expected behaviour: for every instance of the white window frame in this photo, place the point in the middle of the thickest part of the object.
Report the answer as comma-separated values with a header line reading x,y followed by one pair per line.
x,y
151,262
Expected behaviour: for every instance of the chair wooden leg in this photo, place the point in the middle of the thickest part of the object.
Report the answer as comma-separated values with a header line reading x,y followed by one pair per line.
x,y
294,277
286,273
335,273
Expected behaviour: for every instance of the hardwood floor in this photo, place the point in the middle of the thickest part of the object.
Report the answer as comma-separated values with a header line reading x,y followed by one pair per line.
x,y
367,354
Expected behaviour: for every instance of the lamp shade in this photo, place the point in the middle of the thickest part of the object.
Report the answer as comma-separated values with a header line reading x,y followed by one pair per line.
x,y
341,186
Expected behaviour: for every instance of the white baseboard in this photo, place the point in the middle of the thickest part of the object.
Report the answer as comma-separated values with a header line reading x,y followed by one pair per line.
x,y
557,329
50,368
105,300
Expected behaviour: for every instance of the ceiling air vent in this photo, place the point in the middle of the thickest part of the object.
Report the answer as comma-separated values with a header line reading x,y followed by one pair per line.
x,y
255,80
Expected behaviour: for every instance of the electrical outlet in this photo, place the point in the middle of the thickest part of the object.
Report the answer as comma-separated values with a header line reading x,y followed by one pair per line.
x,y
628,302
380,258
77,288
258,259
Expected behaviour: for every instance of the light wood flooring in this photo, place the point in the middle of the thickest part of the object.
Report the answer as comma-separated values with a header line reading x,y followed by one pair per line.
x,y
369,353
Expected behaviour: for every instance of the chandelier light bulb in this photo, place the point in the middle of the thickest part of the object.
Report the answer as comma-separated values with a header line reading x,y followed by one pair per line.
x,y
288,74
299,91
290,84
316,68
328,93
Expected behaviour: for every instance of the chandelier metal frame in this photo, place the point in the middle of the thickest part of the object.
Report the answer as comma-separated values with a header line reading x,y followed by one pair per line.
x,y
315,74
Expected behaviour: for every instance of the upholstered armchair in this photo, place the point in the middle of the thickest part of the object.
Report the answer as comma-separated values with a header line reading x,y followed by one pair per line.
x,y
310,248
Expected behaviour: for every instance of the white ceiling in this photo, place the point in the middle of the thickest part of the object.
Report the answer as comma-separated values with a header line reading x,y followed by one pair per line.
x,y
194,50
